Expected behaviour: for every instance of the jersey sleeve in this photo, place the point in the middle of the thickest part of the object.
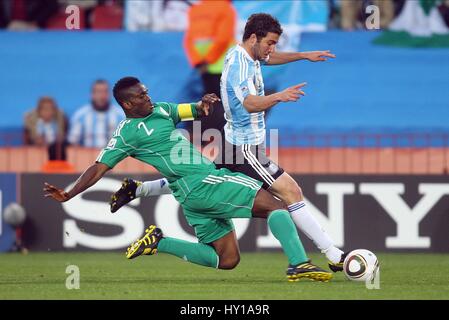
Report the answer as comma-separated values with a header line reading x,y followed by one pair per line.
x,y
114,152
181,112
241,83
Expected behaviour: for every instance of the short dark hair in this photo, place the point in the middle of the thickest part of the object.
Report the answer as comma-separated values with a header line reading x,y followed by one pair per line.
x,y
100,81
261,24
120,88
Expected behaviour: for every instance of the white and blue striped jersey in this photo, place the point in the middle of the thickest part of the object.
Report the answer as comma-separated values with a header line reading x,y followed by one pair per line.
x,y
92,128
48,130
241,77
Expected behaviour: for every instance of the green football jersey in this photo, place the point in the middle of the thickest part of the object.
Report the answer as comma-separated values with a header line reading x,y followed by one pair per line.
x,y
155,141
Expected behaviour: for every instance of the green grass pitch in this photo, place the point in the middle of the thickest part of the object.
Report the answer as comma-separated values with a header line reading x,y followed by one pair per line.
x,y
259,276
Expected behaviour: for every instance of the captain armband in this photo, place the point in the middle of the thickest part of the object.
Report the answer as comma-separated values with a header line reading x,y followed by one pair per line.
x,y
187,111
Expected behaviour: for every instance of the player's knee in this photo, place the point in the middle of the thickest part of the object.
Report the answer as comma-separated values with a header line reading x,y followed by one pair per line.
x,y
229,262
293,192
297,190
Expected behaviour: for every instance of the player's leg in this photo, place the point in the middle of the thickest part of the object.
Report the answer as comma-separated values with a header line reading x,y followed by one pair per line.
x,y
227,249
131,189
223,253
281,225
286,188
225,195
217,247
153,242
153,188
258,166
283,228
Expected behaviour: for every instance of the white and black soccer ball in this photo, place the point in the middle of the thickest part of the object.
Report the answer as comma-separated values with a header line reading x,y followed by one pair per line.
x,y
14,214
360,265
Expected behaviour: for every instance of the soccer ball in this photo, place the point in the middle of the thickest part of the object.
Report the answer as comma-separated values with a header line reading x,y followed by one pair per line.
x,y
360,265
14,214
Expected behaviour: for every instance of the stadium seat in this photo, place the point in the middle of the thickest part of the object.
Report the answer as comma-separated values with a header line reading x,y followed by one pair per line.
x,y
58,21
57,166
107,17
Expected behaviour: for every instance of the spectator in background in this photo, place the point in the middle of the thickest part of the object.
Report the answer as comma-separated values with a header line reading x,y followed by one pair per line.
x,y
46,126
87,7
26,14
93,124
90,11
352,10
156,15
210,33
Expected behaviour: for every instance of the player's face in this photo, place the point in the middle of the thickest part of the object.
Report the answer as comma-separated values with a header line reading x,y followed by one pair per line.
x,y
140,101
100,96
266,46
47,111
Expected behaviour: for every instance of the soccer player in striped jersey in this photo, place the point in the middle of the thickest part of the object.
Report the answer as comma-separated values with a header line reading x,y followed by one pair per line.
x,y
210,197
244,101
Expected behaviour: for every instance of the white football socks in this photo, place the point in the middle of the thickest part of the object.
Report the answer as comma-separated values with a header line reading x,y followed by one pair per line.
x,y
153,188
312,229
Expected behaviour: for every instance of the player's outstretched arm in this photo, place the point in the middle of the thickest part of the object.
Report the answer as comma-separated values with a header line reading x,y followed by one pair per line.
x,y
254,103
85,181
277,58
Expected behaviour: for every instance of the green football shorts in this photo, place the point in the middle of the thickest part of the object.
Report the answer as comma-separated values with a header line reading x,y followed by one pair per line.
x,y
221,196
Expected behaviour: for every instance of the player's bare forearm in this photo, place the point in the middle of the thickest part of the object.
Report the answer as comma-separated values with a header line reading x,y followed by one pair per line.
x,y
277,58
254,103
91,176
85,181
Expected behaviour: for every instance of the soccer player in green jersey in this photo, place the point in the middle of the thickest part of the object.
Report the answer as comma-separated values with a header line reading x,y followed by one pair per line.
x,y
210,198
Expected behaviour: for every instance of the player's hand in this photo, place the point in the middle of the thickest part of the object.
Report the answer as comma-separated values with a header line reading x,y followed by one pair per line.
x,y
292,93
207,102
55,193
316,56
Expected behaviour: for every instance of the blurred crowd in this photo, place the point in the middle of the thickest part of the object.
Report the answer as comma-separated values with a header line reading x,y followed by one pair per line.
x,y
90,126
351,14
167,15
208,35
28,15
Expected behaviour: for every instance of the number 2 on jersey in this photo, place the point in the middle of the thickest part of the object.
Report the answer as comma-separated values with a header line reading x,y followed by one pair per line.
x,y
141,124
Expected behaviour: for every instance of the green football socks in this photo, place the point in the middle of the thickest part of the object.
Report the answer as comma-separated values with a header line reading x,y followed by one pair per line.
x,y
197,253
283,228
